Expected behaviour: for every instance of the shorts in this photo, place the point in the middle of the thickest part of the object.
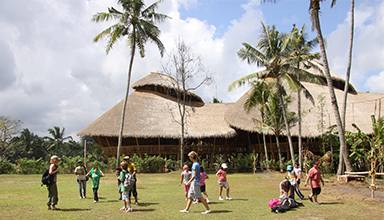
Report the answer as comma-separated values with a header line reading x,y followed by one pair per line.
x,y
194,191
186,187
202,188
223,184
316,191
125,195
298,182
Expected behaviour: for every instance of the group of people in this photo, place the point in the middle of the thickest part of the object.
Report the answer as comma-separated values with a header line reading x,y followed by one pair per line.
x,y
291,184
194,183
94,174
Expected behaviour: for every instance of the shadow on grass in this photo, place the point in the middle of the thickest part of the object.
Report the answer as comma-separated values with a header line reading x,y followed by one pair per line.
x,y
71,210
144,210
221,211
147,204
331,203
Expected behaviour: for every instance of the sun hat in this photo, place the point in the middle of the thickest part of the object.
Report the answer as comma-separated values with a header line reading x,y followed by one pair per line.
x,y
315,162
55,157
289,167
126,157
224,166
80,161
185,167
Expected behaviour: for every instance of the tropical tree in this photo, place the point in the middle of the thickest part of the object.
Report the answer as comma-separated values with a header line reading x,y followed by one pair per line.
x,y
274,120
55,143
137,23
258,97
276,56
8,128
301,48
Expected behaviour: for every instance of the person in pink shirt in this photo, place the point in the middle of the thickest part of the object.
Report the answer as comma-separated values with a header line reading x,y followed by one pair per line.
x,y
222,176
203,177
314,175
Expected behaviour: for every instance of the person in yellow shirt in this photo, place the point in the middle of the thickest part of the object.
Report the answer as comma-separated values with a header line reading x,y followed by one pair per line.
x,y
133,170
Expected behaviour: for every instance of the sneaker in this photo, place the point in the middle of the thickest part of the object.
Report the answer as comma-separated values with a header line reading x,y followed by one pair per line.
x,y
221,198
94,201
84,197
129,210
81,197
123,208
196,202
208,200
310,198
316,203
184,211
228,198
206,212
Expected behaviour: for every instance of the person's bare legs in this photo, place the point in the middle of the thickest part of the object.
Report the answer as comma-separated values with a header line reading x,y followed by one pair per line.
x,y
220,190
228,191
201,199
188,204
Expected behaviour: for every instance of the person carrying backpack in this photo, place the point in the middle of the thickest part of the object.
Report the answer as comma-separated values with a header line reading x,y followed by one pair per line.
x,y
124,190
53,196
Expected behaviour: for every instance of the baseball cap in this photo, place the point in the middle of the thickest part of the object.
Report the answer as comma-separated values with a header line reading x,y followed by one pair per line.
x,y
289,167
315,162
80,161
185,167
224,166
126,157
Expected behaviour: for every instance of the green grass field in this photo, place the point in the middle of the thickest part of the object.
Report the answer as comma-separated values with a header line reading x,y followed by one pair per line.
x,y
160,197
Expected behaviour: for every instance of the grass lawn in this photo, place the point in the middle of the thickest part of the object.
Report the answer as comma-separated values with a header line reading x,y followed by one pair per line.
x,y
160,197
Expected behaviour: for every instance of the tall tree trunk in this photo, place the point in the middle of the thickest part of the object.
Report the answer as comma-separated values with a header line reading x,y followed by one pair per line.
x,y
286,122
265,145
125,101
300,147
343,149
279,152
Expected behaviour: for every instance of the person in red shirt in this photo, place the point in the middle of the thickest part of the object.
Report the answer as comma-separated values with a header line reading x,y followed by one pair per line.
x,y
314,175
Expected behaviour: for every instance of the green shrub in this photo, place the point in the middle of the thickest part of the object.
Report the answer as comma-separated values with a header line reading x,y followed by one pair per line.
x,y
33,166
7,167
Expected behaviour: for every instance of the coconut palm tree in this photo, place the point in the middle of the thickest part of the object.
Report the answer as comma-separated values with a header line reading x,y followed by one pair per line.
x,y
314,9
137,24
274,53
56,141
301,48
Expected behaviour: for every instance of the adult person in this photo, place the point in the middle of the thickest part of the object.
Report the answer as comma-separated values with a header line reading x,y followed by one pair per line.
x,y
194,190
81,172
53,196
314,175
133,170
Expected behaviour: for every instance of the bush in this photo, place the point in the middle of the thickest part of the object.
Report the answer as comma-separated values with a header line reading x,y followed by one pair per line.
x,y
7,167
33,166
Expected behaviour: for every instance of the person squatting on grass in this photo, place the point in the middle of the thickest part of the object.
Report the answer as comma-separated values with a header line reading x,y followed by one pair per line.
x,y
81,171
53,197
132,169
185,177
284,189
124,191
194,190
291,177
222,176
95,174
314,175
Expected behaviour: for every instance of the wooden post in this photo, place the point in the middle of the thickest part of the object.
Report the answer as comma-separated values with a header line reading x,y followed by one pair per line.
x,y
85,151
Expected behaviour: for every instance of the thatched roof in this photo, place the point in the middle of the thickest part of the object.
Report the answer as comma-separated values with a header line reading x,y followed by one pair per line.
x,y
164,84
360,107
151,114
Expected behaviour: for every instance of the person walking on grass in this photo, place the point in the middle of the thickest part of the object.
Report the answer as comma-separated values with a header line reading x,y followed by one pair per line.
x,y
185,177
314,176
297,171
81,172
95,174
222,176
133,170
53,196
194,190
124,191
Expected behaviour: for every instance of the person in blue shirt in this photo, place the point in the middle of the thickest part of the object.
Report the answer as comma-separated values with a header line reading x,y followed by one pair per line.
x,y
194,182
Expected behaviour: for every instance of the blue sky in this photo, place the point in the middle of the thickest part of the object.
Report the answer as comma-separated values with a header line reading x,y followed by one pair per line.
x,y
52,74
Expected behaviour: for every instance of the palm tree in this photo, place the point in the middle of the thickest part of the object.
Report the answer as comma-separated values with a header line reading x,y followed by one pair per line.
x,y
274,119
314,9
56,141
301,48
276,56
258,97
137,23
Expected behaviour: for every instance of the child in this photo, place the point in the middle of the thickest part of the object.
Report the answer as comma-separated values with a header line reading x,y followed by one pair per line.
x,y
297,171
291,177
194,192
95,174
314,175
118,170
203,177
81,171
185,177
222,176
124,191
53,196
284,189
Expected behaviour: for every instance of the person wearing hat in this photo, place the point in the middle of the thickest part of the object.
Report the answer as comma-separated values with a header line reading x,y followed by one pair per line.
x,y
81,172
222,176
291,177
53,197
185,177
132,169
314,176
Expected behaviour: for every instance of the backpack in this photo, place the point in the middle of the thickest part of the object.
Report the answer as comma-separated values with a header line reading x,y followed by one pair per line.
x,y
129,180
46,179
273,203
